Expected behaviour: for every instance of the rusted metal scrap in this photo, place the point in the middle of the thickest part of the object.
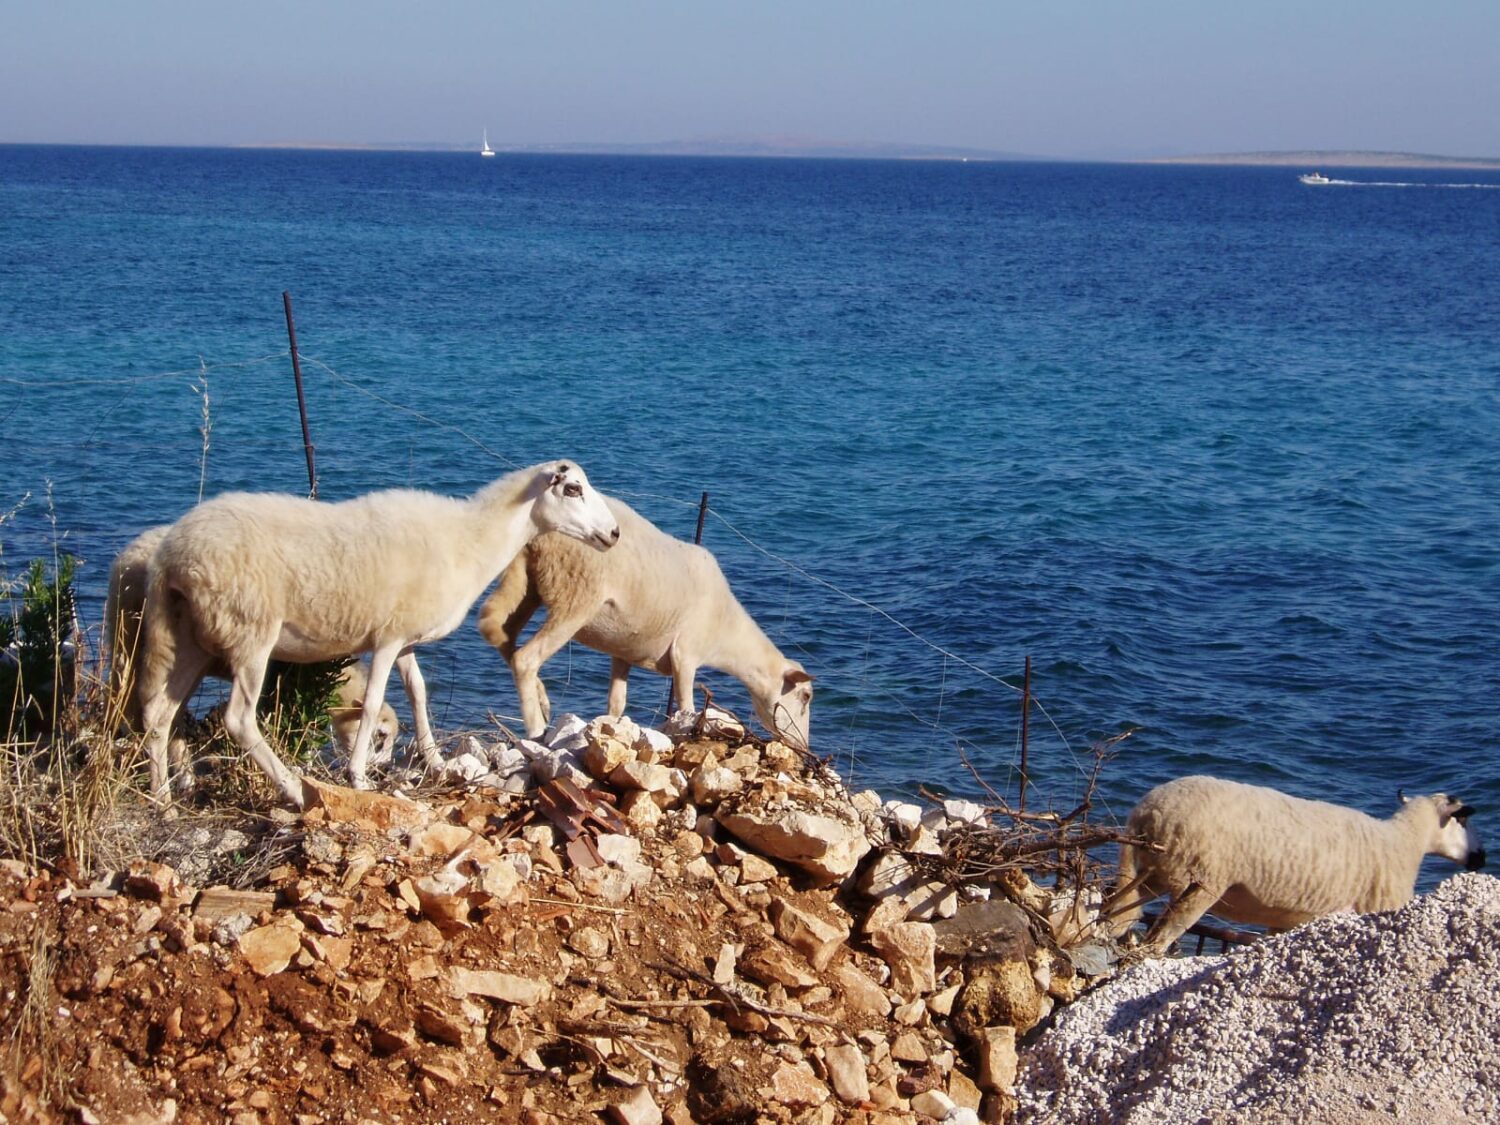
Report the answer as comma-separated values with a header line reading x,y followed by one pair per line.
x,y
580,815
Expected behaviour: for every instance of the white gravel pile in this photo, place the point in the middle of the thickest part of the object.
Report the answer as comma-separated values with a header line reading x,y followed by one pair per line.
x,y
1347,1019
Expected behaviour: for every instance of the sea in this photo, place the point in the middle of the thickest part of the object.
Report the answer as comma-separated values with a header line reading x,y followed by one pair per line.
x,y
1217,452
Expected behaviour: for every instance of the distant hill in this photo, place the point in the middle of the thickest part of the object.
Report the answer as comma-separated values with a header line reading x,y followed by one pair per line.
x,y
774,146
1334,158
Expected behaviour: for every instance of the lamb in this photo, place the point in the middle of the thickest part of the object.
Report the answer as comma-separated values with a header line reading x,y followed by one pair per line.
x,y
1256,855
123,607
653,602
246,578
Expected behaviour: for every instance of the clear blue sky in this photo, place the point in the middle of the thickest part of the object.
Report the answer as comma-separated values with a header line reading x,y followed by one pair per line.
x,y
1054,77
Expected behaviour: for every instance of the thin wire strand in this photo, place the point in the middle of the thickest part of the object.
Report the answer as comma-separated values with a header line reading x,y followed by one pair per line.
x,y
448,426
134,380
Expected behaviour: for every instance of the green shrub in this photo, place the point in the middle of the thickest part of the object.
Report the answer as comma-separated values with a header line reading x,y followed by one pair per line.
x,y
38,659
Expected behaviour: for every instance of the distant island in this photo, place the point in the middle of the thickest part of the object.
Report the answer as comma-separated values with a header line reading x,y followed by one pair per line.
x,y
1334,158
815,148
767,146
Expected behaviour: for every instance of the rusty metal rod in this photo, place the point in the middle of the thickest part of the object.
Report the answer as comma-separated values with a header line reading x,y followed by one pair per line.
x,y
1025,729
307,445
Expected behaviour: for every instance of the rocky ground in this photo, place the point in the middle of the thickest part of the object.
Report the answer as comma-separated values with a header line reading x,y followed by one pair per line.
x,y
624,925
690,930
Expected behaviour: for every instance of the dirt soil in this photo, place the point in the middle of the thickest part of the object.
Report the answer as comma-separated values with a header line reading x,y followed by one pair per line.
x,y
331,991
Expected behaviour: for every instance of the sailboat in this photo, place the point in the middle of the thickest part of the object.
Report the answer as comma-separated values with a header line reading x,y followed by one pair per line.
x,y
486,150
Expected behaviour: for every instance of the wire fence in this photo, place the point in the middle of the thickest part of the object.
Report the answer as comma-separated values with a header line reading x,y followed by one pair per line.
x,y
867,700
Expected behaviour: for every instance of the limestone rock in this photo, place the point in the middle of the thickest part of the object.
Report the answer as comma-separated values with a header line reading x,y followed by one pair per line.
x,y
637,1108
774,963
270,949
154,881
997,1058
862,996
846,1072
909,948
713,783
358,806
825,848
439,840
495,985
794,1084
815,939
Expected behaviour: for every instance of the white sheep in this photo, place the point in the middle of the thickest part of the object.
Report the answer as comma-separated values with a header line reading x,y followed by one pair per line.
x,y
123,607
246,578
653,602
1256,855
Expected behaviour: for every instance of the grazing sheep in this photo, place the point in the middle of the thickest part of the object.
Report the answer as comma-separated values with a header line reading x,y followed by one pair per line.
x,y
653,602
246,578
122,636
123,607
1252,854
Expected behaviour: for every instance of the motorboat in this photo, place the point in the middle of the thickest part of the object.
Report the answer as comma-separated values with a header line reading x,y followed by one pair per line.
x,y
1314,178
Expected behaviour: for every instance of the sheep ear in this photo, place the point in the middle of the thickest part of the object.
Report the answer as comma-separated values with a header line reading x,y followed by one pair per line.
x,y
1401,796
794,677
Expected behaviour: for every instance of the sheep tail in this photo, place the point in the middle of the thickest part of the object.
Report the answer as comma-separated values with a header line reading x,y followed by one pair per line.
x,y
1123,908
509,608
121,651
157,647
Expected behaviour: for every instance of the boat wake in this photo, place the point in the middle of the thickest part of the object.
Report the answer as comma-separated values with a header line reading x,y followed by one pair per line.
x,y
1405,184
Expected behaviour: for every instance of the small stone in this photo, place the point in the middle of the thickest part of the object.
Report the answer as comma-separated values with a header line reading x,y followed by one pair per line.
x,y
357,806
590,942
794,1084
270,949
909,1047
997,1058
862,996
606,755
155,881
774,963
934,1103
439,1025
441,899
846,1072
640,810
439,840
910,1014
815,939
963,1091
636,1108
757,870
713,783
908,948
495,985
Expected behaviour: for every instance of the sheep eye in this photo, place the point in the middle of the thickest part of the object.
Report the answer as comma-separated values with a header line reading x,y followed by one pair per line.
x,y
572,488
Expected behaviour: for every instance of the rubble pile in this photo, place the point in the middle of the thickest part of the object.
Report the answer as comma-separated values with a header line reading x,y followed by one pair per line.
x,y
610,923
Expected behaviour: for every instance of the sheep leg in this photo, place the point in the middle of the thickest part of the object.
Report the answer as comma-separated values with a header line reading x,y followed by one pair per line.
x,y
416,693
684,671
555,632
159,708
619,682
381,660
241,723
1182,914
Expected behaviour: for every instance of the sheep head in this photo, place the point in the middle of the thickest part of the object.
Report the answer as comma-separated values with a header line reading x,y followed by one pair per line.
x,y
1454,838
565,502
786,708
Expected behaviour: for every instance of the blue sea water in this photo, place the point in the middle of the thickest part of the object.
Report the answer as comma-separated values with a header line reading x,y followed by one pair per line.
x,y
1218,451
